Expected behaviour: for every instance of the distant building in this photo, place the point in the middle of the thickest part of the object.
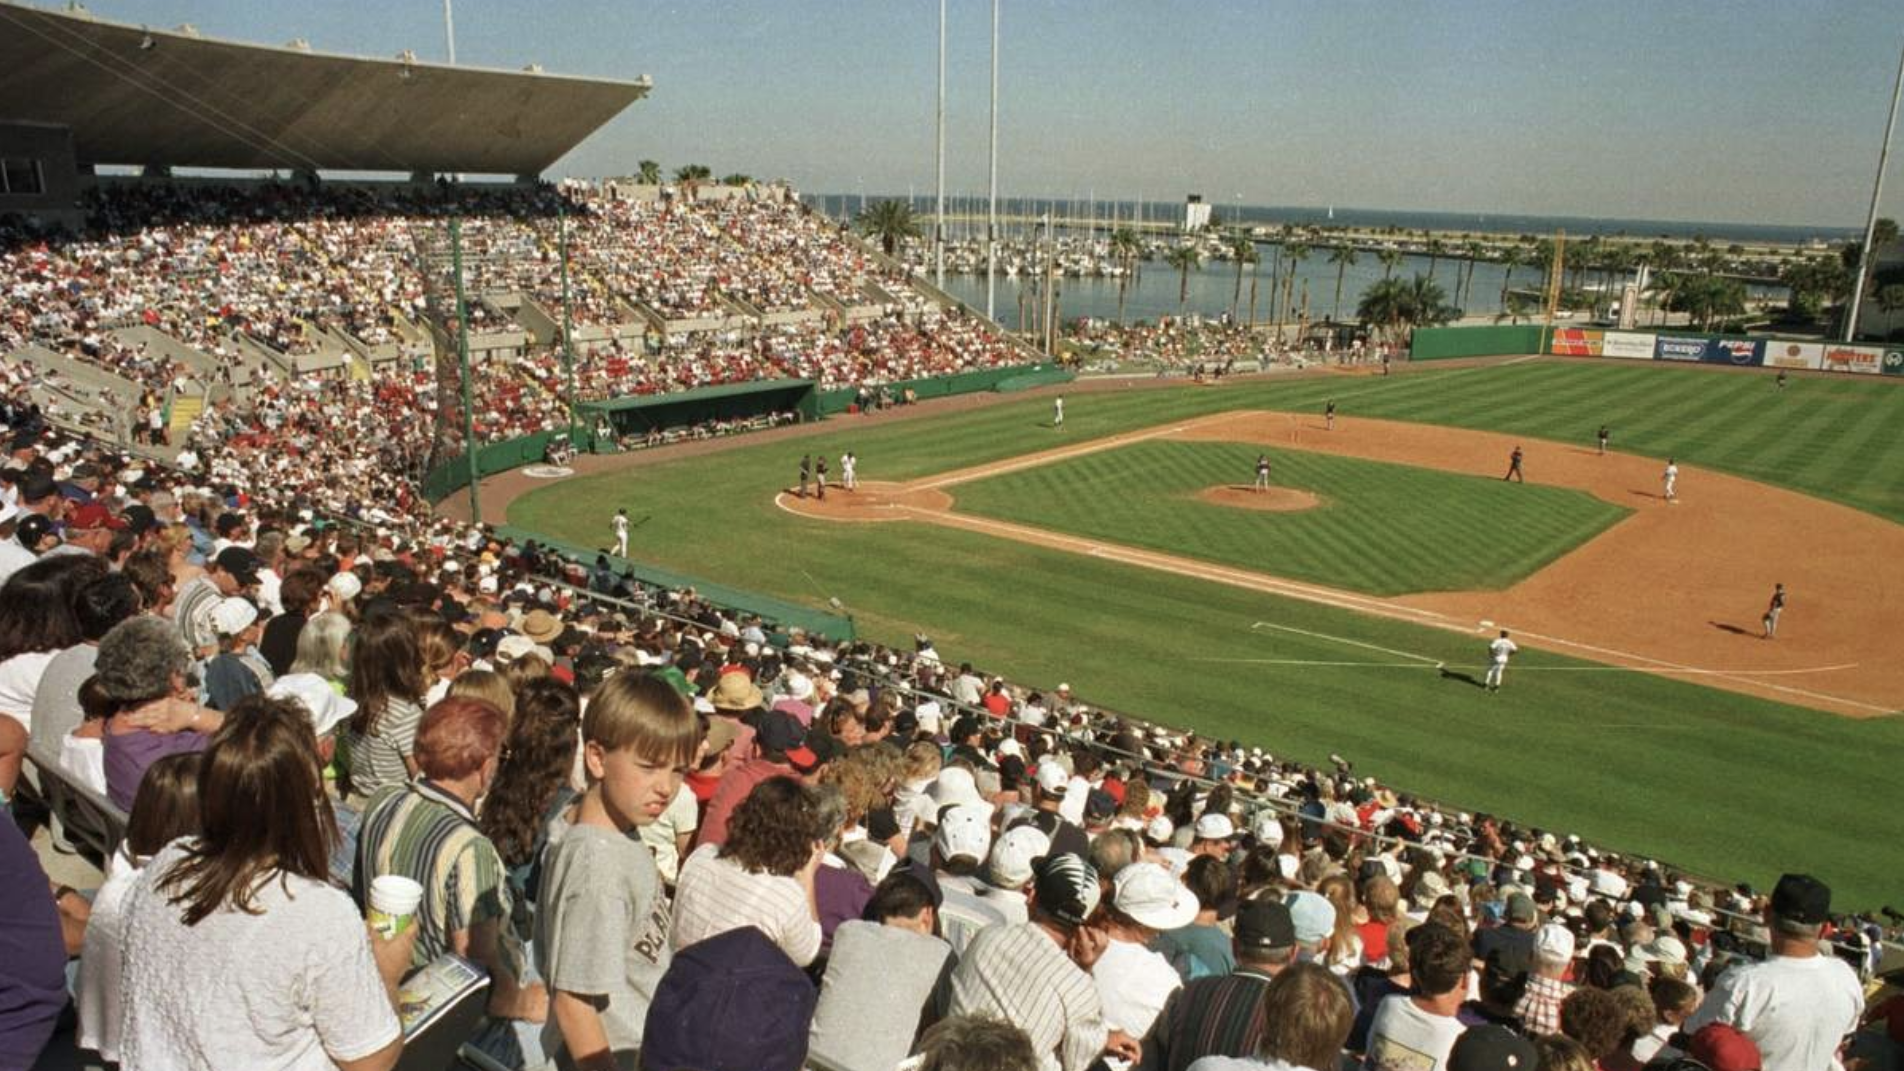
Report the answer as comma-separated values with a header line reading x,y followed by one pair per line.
x,y
1196,214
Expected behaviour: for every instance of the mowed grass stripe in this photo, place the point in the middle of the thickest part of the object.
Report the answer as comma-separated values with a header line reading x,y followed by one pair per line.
x,y
1384,529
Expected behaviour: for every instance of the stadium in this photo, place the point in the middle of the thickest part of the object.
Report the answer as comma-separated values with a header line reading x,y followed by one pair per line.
x,y
334,425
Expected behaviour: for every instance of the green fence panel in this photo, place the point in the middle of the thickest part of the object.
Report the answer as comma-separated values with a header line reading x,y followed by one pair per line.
x,y
1445,343
837,627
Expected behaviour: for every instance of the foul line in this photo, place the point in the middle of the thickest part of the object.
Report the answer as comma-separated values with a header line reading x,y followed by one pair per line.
x,y
1064,453
1344,639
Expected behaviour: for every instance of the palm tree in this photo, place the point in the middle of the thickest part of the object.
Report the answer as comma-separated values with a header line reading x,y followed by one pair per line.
x,y
1126,247
1428,303
1382,304
1435,249
1297,252
1475,252
1513,307
1390,258
1243,250
1183,258
1510,260
889,221
737,179
1343,257
691,175
648,173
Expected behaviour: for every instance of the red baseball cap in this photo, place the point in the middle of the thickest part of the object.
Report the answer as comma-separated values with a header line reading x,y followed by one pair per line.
x,y
93,516
1722,1047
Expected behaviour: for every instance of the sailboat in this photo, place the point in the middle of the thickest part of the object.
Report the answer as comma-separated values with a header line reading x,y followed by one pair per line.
x,y
1332,212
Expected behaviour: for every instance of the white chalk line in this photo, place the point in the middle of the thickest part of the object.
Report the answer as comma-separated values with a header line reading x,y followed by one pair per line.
x,y
1051,457
1345,640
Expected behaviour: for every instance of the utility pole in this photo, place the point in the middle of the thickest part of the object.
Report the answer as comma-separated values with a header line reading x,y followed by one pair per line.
x,y
1871,220
449,29
462,362
991,202
938,212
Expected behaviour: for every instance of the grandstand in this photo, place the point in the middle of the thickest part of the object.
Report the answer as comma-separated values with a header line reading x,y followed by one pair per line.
x,y
243,397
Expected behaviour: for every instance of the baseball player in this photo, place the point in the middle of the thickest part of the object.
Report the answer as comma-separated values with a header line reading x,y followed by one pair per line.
x,y
1781,379
1772,610
1514,466
1669,478
849,471
1262,472
806,473
1057,411
1328,416
1603,437
819,477
621,533
1499,652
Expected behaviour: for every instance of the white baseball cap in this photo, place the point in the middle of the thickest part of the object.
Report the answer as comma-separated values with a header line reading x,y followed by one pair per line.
x,y
345,586
326,707
233,615
1160,829
1267,828
1215,827
1013,854
1554,942
1052,778
1149,894
965,829
954,785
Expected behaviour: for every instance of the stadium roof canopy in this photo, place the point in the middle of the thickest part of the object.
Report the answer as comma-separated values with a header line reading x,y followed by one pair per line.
x,y
141,96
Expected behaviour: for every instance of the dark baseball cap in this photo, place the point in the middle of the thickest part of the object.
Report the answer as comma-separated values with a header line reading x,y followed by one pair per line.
x,y
1265,924
93,516
1803,899
1066,888
1490,1047
36,486
33,528
240,563
782,732
140,518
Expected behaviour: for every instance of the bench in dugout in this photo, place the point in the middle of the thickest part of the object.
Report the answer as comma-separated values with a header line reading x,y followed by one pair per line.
x,y
84,818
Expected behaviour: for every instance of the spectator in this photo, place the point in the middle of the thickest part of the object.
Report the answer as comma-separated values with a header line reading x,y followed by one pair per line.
x,y
761,875
960,844
1674,1001
32,954
386,680
1721,1047
976,1043
235,671
1314,917
165,809
233,571
1800,1003
532,782
300,592
1493,1048
322,649
1539,1006
1597,1020
98,606
602,939
1036,975
1133,982
1009,870
1372,985
1223,1016
882,977
1415,1032
1522,918
36,623
237,951
426,831
140,673
1306,1016
781,741
733,1000
1558,1052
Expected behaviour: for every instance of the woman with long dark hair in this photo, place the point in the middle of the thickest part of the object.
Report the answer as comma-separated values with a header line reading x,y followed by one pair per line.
x,y
386,680
238,951
532,782
36,623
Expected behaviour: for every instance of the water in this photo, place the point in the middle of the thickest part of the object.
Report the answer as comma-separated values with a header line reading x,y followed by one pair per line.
x,y
844,205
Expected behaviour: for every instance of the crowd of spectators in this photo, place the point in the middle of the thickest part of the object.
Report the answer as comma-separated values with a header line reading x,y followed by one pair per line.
x,y
675,836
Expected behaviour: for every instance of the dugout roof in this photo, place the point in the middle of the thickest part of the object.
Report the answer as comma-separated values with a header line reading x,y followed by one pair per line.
x,y
698,394
142,96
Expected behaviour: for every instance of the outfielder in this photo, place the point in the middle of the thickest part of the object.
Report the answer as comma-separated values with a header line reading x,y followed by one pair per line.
x,y
1669,478
1514,467
621,533
1772,610
1057,411
1604,436
1499,652
1262,472
1328,416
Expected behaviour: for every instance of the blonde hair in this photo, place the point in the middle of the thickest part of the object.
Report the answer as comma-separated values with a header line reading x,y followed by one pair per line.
x,y
489,687
645,713
923,761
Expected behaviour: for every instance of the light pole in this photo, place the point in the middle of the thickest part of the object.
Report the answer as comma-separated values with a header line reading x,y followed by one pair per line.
x,y
938,211
1871,220
991,200
449,29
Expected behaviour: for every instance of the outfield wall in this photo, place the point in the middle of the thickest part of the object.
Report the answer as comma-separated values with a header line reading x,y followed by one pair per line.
x,y
1685,347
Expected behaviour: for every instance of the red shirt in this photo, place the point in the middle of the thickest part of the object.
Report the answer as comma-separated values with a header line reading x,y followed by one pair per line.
x,y
735,784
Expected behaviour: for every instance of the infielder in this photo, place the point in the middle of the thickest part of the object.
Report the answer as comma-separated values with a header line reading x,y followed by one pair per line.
x,y
1772,610
1262,472
806,473
819,477
1514,467
621,533
849,474
1499,652
1057,411
1669,478
1604,436
1328,416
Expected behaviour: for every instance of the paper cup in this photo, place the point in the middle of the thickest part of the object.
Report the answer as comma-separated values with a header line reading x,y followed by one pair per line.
x,y
393,903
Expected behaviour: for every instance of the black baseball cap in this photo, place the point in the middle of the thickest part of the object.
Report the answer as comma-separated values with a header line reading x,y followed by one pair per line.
x,y
1803,899
240,563
1265,924
1491,1047
32,528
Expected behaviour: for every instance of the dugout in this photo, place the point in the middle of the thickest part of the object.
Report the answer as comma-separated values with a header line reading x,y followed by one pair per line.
x,y
640,414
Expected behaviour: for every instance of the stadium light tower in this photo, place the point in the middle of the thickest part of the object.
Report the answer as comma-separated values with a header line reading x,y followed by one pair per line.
x,y
1871,220
449,29
938,210
991,199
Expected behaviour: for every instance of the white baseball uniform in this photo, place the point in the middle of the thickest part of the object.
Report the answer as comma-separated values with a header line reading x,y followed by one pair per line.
x,y
621,535
1498,653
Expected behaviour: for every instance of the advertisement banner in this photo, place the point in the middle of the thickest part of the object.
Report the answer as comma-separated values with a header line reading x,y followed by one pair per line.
x,y
1627,344
1866,359
1793,354
1739,351
1680,349
1576,342
1894,362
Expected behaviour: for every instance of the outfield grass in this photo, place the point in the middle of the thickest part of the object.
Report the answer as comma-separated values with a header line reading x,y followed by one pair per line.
x,y
1728,785
1382,528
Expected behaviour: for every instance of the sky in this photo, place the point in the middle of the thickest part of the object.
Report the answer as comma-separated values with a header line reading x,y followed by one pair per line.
x,y
1765,111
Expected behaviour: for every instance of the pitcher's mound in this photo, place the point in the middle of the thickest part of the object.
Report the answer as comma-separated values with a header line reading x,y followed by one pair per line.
x,y
1275,500
871,501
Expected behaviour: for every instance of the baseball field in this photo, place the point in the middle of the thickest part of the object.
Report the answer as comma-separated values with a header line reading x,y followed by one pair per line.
x,y
1128,554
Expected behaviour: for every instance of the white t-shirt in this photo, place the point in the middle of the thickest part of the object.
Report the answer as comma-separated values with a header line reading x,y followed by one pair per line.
x,y
1237,1063
19,679
716,895
1797,1009
290,988
1132,984
1405,1038
682,816
102,960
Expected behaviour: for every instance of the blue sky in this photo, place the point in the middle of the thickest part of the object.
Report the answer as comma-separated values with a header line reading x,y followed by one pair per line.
x,y
1751,110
